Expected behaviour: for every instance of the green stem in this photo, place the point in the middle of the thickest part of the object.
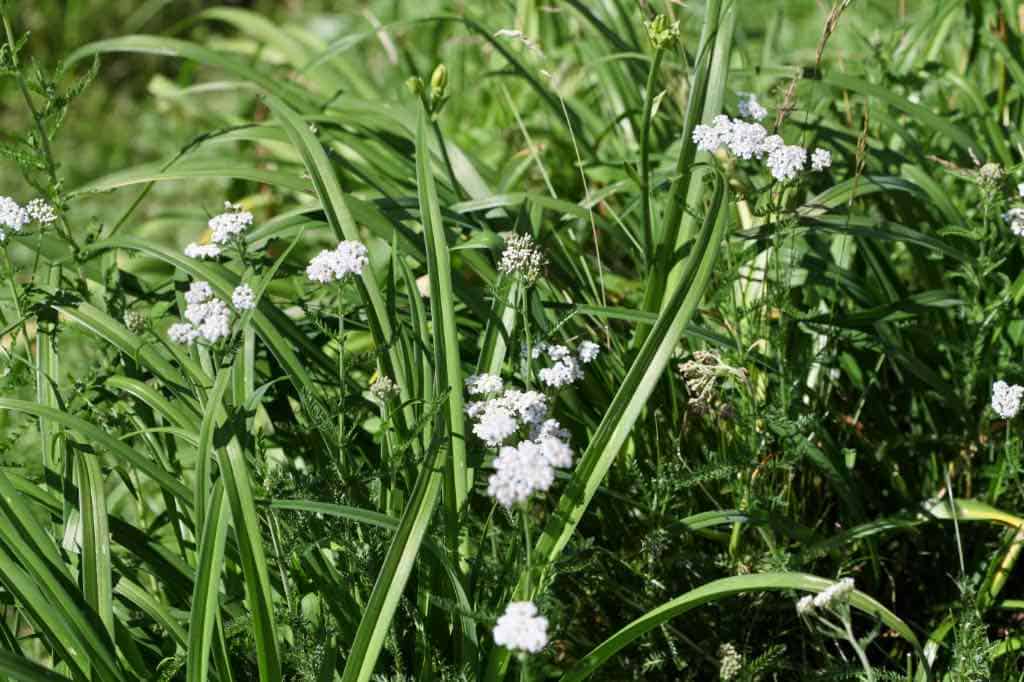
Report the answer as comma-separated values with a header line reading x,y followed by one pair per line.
x,y
341,381
17,304
524,516
645,164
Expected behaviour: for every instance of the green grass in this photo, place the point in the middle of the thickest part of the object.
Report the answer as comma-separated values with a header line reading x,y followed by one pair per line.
x,y
793,386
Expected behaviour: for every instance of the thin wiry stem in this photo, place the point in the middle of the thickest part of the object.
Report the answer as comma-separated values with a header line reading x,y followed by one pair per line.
x,y
645,162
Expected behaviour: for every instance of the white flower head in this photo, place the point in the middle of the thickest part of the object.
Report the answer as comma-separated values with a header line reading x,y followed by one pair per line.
x,y
805,605
383,388
347,258
519,472
479,384
41,212
564,372
588,352
821,159
198,292
834,594
521,629
230,224
746,140
750,108
1015,219
730,662
1006,399
522,258
183,333
202,251
243,298
787,161
12,216
496,424
711,137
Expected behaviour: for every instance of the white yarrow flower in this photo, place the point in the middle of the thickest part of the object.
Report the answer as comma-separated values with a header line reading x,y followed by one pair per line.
x,y
521,629
787,161
1015,219
1006,399
821,159
519,472
750,108
243,298
711,137
522,258
228,225
383,388
183,333
746,140
496,424
347,258
588,352
12,216
834,594
202,251
479,384
41,212
198,292
805,605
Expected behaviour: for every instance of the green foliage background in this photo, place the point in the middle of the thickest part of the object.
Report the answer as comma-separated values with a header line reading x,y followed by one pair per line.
x,y
857,373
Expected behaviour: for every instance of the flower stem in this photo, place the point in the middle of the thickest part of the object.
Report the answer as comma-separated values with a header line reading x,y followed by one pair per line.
x,y
645,165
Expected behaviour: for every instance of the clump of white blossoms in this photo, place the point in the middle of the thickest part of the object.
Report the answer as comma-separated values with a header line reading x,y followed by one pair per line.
x,y
202,251
1006,399
520,628
1015,219
243,297
207,317
751,141
821,159
481,384
41,212
730,662
229,224
383,388
566,367
347,258
522,258
14,217
224,228
835,594
750,108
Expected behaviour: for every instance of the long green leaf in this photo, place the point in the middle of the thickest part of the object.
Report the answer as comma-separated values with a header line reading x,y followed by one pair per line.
x,y
446,336
721,589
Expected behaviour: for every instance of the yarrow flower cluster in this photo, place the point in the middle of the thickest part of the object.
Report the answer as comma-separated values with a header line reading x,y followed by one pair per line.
x,y
520,628
1015,219
383,388
834,594
224,228
750,108
243,298
730,662
1006,399
206,316
13,216
752,141
566,367
543,445
347,258
41,212
522,258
